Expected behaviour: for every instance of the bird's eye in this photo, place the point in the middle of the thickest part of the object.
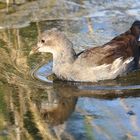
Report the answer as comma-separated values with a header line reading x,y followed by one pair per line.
x,y
42,41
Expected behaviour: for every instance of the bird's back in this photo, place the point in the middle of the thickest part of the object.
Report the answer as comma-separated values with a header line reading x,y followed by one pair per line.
x,y
124,46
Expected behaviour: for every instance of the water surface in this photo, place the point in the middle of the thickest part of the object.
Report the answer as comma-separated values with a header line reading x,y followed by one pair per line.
x,y
35,107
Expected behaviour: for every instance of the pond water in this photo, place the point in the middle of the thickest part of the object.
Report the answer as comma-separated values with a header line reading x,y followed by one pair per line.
x,y
35,106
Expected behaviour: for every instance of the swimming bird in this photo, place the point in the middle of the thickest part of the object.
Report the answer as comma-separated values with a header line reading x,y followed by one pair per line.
x,y
115,58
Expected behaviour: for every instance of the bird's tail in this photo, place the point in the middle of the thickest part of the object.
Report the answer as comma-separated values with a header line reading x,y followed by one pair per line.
x,y
135,29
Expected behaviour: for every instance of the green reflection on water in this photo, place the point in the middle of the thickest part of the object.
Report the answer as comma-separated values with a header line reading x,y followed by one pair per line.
x,y
31,127
4,113
2,5
89,128
18,113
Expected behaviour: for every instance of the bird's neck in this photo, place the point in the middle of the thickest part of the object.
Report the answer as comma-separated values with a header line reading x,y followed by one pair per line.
x,y
63,61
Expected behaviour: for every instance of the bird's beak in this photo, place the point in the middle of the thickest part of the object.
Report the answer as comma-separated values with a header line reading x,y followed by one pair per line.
x,y
34,50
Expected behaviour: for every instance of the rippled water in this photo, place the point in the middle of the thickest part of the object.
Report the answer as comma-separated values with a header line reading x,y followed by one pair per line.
x,y
32,105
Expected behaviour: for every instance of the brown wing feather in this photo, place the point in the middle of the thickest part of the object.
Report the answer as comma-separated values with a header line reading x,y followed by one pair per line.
x,y
124,45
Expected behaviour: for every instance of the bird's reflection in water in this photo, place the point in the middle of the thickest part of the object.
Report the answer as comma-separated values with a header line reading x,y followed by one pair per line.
x,y
62,98
57,109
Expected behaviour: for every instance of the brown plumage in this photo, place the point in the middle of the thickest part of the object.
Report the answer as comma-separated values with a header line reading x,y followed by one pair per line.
x,y
125,45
